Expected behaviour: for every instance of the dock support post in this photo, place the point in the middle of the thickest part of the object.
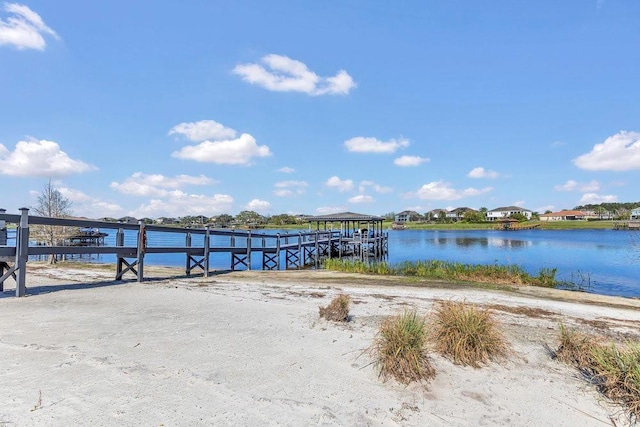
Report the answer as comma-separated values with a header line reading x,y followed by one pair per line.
x,y
187,243
317,257
119,242
249,250
207,240
278,251
22,253
142,247
232,243
301,258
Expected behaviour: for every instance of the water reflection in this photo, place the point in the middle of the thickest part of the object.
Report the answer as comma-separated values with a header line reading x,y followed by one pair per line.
x,y
469,241
604,260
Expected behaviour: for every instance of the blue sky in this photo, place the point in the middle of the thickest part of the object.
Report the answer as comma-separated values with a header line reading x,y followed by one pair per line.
x,y
206,107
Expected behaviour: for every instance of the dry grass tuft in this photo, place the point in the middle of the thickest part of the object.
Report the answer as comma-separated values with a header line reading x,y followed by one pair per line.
x,y
337,310
399,350
614,369
466,334
575,348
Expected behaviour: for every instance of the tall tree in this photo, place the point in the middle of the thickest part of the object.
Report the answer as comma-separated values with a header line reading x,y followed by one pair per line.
x,y
51,203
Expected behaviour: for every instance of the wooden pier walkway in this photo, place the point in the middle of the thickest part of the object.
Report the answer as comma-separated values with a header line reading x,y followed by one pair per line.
x,y
134,241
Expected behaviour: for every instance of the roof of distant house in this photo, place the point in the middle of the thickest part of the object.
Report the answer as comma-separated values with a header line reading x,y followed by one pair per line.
x,y
509,208
564,213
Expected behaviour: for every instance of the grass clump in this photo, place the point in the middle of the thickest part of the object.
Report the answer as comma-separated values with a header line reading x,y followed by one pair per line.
x,y
576,348
338,309
614,369
446,270
400,350
468,335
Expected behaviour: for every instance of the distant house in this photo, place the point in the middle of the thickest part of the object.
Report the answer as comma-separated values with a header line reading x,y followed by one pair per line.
x,y
434,214
458,213
407,216
166,221
505,212
128,220
565,216
635,214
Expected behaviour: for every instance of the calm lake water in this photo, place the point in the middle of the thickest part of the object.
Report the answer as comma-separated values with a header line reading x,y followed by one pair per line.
x,y
599,261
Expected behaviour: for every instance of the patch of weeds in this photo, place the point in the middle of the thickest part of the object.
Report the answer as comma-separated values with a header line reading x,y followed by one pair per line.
x,y
337,310
614,369
399,350
466,334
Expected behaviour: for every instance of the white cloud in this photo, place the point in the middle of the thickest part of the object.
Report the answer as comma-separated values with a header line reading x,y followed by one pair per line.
x,y
361,198
572,185
289,188
439,190
376,187
408,161
362,144
178,204
519,203
594,198
480,172
326,210
238,151
619,152
156,185
73,195
257,205
23,29
39,158
203,130
340,185
288,75
286,169
283,192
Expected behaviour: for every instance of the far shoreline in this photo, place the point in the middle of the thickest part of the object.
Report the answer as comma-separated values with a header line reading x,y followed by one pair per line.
x,y
464,226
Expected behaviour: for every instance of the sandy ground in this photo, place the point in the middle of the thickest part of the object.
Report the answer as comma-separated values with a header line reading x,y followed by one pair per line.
x,y
248,348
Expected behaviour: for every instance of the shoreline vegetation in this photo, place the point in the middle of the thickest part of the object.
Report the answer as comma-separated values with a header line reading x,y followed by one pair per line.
x,y
541,225
493,274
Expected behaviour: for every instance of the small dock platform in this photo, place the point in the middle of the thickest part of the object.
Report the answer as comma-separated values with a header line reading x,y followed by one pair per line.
x,y
509,224
627,225
87,237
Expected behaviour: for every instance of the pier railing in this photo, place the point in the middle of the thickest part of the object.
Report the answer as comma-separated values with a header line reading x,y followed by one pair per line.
x,y
133,241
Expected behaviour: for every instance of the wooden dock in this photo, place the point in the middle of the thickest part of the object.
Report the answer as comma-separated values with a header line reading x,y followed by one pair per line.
x,y
274,251
627,225
515,226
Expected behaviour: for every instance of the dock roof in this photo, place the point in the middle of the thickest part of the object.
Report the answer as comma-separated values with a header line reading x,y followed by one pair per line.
x,y
345,216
